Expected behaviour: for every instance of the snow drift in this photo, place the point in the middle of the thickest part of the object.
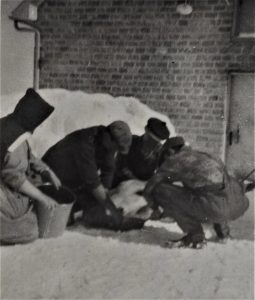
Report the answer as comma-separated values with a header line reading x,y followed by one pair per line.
x,y
77,109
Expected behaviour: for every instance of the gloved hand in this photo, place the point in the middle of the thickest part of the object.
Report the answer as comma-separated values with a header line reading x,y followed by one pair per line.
x,y
128,174
157,213
102,196
113,212
152,182
49,176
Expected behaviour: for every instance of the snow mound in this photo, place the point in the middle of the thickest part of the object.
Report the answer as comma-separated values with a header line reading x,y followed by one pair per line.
x,y
77,109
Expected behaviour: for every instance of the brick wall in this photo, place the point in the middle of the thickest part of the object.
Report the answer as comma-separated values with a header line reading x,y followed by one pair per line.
x,y
176,64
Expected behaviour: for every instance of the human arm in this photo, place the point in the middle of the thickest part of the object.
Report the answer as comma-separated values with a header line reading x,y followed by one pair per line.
x,y
40,167
31,191
107,169
13,175
152,182
102,196
128,174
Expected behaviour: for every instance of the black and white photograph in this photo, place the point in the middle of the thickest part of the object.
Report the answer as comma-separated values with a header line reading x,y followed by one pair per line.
x,y
127,149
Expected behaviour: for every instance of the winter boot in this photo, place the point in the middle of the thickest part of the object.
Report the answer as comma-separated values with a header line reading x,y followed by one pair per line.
x,y
191,240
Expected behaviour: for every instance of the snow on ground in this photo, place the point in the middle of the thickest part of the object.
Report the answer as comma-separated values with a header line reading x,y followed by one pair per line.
x,y
82,266
100,264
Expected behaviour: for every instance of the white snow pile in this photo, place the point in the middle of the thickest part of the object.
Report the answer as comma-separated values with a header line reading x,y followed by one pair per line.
x,y
77,109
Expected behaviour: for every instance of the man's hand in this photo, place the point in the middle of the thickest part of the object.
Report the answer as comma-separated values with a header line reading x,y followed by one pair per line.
x,y
116,215
102,196
113,212
155,179
157,213
33,192
48,202
49,176
128,174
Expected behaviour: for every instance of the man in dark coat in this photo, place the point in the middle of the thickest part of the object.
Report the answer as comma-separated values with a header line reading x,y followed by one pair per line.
x,y
142,158
85,162
194,188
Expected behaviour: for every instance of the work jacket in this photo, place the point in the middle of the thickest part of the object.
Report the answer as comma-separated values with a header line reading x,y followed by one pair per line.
x,y
135,165
216,194
84,158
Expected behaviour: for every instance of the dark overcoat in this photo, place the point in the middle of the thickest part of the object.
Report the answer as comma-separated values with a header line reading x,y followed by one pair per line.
x,y
84,158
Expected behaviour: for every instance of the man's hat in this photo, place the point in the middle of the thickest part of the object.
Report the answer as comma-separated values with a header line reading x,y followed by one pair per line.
x,y
158,128
122,135
29,113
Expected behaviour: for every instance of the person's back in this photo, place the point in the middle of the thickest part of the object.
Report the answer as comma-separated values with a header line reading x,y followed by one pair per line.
x,y
194,168
77,157
207,176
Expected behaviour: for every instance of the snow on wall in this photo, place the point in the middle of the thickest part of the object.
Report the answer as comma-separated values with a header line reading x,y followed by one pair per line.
x,y
77,109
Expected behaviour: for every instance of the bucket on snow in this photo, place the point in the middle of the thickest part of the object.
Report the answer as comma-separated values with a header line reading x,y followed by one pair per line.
x,y
52,223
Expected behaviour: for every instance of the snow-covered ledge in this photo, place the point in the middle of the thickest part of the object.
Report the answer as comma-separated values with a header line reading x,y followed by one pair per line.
x,y
77,109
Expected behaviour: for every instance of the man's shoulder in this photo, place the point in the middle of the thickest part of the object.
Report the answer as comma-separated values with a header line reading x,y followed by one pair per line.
x,y
136,139
85,131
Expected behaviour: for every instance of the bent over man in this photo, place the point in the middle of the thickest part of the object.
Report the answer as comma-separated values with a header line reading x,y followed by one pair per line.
x,y
85,162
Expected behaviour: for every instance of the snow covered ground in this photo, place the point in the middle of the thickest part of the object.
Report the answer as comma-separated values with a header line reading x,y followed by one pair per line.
x,y
100,264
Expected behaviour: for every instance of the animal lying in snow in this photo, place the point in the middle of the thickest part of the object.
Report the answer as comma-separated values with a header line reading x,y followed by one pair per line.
x,y
128,197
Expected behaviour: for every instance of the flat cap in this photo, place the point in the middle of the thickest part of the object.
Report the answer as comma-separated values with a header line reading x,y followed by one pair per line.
x,y
122,135
158,128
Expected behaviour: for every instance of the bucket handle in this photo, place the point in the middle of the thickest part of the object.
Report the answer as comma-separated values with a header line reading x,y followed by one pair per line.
x,y
62,186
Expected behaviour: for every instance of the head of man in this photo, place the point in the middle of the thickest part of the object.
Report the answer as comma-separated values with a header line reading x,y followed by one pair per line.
x,y
28,114
31,111
171,146
156,131
121,135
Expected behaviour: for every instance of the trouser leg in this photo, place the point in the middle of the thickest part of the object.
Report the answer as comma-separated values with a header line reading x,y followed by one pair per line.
x,y
84,202
21,230
222,229
180,204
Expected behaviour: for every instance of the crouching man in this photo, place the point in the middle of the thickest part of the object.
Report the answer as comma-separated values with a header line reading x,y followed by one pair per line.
x,y
85,162
195,188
